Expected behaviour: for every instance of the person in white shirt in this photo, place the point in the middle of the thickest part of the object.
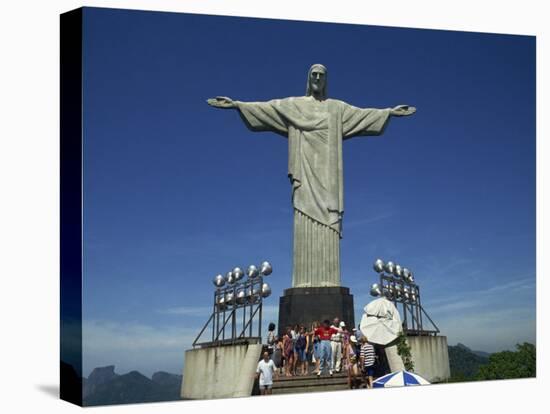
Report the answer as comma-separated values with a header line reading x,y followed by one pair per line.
x,y
264,372
336,345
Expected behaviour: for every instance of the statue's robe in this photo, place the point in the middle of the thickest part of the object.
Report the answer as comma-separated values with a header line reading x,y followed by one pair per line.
x,y
315,131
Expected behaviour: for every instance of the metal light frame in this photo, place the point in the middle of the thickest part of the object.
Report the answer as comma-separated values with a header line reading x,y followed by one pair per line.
x,y
224,318
400,288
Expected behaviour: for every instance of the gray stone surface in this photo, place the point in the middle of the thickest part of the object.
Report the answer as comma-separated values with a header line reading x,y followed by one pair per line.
x,y
316,127
220,372
305,305
310,383
430,355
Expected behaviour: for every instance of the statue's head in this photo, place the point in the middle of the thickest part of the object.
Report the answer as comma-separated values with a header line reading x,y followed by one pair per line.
x,y
317,81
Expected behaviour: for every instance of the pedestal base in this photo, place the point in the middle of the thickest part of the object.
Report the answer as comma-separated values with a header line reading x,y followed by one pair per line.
x,y
430,355
304,305
220,371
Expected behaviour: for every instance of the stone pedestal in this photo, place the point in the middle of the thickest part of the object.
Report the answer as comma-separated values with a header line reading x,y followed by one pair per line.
x,y
430,355
305,305
220,372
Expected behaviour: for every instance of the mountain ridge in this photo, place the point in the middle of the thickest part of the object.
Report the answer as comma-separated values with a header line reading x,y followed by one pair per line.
x,y
105,387
465,363
482,354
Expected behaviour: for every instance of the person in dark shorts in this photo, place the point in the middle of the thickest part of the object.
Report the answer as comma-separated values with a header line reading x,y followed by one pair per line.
x,y
368,358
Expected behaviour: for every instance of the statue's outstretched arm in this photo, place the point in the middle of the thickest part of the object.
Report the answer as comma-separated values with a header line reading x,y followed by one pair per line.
x,y
257,116
222,102
402,110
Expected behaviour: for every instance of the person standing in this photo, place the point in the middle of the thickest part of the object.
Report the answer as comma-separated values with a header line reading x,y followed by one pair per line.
x,y
345,344
367,360
301,351
277,356
316,346
354,372
357,332
309,348
294,333
336,345
265,372
356,345
288,351
271,338
351,347
324,333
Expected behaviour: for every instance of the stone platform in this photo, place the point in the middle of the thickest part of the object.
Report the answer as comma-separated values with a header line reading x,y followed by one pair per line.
x,y
305,305
220,372
310,383
430,355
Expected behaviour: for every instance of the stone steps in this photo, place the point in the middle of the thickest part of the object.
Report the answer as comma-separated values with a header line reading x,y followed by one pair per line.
x,y
310,383
319,388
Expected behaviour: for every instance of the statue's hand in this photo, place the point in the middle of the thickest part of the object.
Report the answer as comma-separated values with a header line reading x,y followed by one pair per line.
x,y
221,102
403,110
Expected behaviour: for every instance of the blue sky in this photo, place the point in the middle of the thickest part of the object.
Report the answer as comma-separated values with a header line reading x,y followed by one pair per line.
x,y
176,192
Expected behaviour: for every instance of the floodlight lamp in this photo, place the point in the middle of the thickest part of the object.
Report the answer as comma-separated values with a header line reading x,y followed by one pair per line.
x,y
375,290
266,268
219,281
378,266
398,271
237,274
266,290
241,296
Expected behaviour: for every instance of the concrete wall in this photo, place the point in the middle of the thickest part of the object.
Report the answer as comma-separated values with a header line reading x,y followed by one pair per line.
x,y
431,357
220,372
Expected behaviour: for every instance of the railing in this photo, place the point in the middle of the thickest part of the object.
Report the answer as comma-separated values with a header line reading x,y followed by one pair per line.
x,y
236,314
407,294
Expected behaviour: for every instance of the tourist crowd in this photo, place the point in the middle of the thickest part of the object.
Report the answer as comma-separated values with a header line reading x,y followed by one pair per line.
x,y
324,348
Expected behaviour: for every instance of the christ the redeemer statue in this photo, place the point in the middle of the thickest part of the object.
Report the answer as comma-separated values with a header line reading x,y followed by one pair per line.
x,y
315,127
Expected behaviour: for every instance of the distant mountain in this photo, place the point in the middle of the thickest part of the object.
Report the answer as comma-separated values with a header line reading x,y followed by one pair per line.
x,y
482,354
99,376
105,387
465,363
167,380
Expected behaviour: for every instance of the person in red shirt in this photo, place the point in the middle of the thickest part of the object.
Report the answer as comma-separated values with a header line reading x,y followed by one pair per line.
x,y
324,333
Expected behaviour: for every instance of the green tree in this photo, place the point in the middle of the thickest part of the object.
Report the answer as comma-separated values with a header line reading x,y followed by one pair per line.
x,y
404,351
511,364
464,363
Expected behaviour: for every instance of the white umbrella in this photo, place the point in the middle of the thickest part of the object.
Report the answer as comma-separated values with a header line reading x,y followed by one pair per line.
x,y
381,322
399,379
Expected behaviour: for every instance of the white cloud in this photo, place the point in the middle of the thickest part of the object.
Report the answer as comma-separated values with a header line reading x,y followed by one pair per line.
x,y
147,348
500,295
134,346
491,331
